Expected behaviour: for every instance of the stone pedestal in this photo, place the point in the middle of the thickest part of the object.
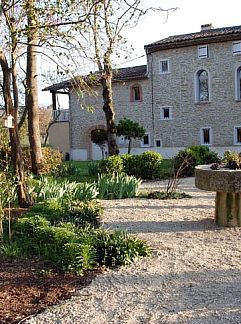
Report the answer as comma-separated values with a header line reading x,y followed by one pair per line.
x,y
228,209
227,184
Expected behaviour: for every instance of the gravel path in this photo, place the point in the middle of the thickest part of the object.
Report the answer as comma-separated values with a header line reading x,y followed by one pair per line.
x,y
193,276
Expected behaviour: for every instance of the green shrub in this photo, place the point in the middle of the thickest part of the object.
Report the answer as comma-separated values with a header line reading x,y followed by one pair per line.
x,y
84,191
111,165
52,159
93,169
193,156
167,195
117,186
232,160
131,164
75,250
49,187
145,166
117,248
150,165
66,169
77,212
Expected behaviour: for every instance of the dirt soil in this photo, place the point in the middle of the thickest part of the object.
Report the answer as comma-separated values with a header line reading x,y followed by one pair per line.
x,y
26,288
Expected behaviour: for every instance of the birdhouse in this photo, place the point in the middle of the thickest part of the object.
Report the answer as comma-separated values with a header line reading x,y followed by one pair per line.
x,y
8,121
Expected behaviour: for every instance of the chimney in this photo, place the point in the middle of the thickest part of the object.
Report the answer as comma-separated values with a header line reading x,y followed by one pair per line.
x,y
206,27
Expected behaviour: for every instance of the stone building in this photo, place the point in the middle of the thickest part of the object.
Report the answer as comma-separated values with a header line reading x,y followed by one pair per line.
x,y
189,93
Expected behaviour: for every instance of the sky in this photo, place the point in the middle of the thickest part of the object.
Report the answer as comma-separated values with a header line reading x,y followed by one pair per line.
x,y
188,18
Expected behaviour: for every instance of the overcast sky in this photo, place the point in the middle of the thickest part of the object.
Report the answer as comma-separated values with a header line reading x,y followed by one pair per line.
x,y
188,18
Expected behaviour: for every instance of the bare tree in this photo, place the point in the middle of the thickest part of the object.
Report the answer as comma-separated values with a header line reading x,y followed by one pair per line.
x,y
107,21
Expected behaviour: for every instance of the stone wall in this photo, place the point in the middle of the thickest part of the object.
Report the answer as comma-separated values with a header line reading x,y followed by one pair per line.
x,y
176,90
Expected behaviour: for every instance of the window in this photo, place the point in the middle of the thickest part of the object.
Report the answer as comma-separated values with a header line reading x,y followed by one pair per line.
x,y
166,113
164,66
158,143
238,83
202,93
145,142
237,47
203,51
237,135
206,136
136,93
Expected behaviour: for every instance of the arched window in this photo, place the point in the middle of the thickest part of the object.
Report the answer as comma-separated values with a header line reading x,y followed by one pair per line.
x,y
202,86
238,78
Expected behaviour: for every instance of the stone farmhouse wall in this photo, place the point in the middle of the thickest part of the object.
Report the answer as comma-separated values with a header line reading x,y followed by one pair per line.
x,y
176,90
86,114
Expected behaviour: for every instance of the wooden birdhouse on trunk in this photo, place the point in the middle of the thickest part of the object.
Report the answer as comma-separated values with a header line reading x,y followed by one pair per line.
x,y
8,121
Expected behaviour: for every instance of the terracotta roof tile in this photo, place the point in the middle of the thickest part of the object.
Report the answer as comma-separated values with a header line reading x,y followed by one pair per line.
x,y
128,73
204,36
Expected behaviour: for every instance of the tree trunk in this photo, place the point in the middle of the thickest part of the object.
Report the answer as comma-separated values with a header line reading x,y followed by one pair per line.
x,y
32,91
17,159
106,82
129,146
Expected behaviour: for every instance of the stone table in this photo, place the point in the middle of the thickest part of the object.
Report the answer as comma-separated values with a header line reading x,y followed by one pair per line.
x,y
227,184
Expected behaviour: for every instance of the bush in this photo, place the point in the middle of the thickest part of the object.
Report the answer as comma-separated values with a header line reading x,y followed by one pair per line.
x,y
79,213
118,186
193,156
52,159
167,195
150,165
117,248
75,250
111,165
66,169
48,187
131,164
144,166
93,169
232,160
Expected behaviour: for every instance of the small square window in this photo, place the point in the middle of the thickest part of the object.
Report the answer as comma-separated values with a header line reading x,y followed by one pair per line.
x,y
203,51
164,66
237,47
145,142
158,143
237,135
206,136
166,113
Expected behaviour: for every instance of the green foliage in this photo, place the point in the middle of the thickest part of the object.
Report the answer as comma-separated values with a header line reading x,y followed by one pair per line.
x,y
232,160
111,165
52,160
117,186
98,136
145,166
49,187
150,164
167,195
130,130
77,212
11,250
193,156
93,169
66,169
117,248
84,191
72,249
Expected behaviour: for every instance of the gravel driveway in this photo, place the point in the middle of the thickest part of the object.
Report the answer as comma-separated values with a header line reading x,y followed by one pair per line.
x,y
193,276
